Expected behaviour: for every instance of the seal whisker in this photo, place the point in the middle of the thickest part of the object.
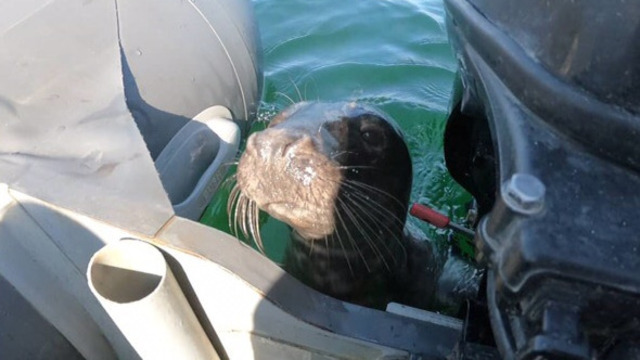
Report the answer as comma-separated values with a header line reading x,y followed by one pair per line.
x,y
286,97
254,225
334,155
256,215
382,212
295,86
232,203
233,194
245,213
359,221
240,215
371,188
236,215
340,242
375,189
229,181
380,224
311,80
354,244
249,220
375,225
244,204
349,167
365,190
311,247
326,246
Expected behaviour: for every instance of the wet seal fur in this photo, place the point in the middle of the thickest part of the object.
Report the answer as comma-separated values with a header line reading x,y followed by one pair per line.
x,y
340,175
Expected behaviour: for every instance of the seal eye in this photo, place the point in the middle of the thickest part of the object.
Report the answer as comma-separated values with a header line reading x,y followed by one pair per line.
x,y
371,136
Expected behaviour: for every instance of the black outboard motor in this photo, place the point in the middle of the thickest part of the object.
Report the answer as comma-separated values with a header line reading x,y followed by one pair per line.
x,y
545,133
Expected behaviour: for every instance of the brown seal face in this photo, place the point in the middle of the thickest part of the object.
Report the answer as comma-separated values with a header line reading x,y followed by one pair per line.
x,y
340,175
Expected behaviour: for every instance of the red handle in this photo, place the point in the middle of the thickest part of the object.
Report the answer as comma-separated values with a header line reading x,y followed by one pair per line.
x,y
429,215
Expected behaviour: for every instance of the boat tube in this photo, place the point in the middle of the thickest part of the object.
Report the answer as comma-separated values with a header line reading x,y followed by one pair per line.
x,y
136,287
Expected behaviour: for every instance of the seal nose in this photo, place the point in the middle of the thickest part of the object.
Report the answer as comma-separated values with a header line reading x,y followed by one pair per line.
x,y
274,143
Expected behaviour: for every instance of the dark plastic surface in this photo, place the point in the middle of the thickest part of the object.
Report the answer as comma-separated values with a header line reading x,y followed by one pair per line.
x,y
566,259
580,42
598,122
476,342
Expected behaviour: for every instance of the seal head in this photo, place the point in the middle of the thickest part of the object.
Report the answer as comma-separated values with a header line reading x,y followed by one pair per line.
x,y
340,175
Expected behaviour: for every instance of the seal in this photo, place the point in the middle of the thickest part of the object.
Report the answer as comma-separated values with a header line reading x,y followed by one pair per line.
x,y
339,174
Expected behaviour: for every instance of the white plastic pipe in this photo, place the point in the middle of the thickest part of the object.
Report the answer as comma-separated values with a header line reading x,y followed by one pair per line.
x,y
134,284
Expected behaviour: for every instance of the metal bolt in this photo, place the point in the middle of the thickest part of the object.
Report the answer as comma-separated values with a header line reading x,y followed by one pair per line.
x,y
524,194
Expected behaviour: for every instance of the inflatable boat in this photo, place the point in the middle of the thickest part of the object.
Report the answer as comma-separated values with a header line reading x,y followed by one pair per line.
x,y
118,120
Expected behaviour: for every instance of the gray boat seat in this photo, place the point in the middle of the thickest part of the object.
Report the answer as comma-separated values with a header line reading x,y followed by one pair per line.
x,y
195,161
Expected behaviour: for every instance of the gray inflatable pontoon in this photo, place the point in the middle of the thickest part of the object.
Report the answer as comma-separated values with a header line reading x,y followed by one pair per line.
x,y
117,122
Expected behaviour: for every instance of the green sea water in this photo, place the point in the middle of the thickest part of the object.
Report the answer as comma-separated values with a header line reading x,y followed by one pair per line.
x,y
393,54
